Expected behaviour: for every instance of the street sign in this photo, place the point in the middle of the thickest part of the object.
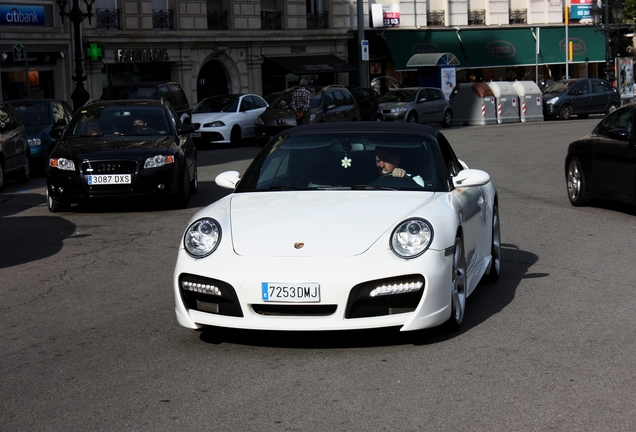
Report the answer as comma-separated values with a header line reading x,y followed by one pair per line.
x,y
18,53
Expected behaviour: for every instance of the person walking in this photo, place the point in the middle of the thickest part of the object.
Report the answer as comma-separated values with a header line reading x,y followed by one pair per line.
x,y
300,103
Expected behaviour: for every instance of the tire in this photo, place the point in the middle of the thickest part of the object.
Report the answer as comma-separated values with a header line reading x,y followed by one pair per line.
x,y
566,112
575,182
411,118
235,135
25,173
495,249
194,184
458,288
611,108
55,206
448,119
183,197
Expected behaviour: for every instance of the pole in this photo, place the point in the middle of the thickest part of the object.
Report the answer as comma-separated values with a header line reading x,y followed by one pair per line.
x,y
606,26
362,65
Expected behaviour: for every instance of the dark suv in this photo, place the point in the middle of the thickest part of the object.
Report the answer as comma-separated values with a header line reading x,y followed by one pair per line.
x,y
169,91
333,103
580,97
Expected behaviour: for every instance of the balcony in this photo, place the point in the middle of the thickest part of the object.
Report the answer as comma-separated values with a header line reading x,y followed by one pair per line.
x,y
318,20
518,16
217,20
108,19
435,18
162,19
477,17
271,20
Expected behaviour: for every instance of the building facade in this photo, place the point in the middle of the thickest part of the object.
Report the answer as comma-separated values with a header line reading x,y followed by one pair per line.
x,y
261,46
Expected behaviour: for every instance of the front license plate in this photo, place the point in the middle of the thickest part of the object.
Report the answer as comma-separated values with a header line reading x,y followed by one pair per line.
x,y
108,179
195,135
286,292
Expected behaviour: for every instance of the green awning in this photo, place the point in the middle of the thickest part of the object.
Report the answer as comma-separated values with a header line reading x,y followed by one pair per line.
x,y
498,47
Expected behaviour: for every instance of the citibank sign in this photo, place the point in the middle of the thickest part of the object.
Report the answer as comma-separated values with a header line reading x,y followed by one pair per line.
x,y
21,15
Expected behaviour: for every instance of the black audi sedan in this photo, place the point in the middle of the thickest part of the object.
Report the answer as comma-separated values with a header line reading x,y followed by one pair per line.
x,y
602,164
117,149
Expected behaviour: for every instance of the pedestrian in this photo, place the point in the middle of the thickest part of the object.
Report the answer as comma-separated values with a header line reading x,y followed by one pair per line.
x,y
300,103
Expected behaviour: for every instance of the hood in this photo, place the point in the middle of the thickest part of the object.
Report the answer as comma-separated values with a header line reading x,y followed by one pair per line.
x,y
209,116
390,105
328,223
98,147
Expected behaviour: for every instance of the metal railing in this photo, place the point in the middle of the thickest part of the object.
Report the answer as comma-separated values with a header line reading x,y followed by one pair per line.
x,y
318,20
217,20
435,18
162,19
108,19
477,17
271,20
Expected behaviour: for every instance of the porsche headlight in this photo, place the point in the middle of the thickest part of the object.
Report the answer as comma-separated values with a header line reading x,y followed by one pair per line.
x,y
202,237
158,161
411,238
62,163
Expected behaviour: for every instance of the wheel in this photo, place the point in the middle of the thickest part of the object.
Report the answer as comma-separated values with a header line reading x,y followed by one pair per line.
x,y
55,206
611,108
411,118
495,249
194,184
235,135
448,119
25,172
457,287
566,112
183,197
576,183
378,117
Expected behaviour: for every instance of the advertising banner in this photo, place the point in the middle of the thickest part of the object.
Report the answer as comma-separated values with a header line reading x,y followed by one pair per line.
x,y
625,77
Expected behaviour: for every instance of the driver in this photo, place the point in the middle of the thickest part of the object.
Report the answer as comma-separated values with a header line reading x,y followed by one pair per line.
x,y
387,161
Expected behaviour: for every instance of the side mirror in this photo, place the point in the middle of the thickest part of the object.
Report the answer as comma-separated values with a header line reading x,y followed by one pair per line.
x,y
56,133
619,134
471,177
228,179
185,129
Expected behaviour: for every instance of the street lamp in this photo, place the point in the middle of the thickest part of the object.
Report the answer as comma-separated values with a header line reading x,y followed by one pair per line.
x,y
597,18
79,96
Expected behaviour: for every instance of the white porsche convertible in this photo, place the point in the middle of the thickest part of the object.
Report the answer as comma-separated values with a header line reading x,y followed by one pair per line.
x,y
339,227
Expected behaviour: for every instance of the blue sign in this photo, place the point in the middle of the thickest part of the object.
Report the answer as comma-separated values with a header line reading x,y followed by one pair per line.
x,y
21,15
580,11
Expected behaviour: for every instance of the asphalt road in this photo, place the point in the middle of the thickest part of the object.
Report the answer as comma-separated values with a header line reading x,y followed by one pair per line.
x,y
90,341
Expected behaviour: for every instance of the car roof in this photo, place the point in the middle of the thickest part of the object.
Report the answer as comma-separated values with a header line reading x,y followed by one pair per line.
x,y
123,103
391,127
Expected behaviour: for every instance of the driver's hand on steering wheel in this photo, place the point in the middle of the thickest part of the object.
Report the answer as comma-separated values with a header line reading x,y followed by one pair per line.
x,y
398,172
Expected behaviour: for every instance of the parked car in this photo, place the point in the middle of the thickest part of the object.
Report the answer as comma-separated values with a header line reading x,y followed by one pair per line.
x,y
156,90
40,116
14,150
417,105
226,118
602,164
580,97
118,149
367,103
343,246
333,103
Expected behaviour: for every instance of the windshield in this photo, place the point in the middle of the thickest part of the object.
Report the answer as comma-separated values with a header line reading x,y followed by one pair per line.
x,y
228,103
33,113
345,160
559,86
119,121
402,95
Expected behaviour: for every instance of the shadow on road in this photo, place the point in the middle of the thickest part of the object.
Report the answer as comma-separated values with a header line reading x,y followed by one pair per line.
x,y
487,300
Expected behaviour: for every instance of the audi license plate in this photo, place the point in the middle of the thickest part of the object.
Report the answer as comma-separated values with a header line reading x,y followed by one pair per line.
x,y
108,179
287,292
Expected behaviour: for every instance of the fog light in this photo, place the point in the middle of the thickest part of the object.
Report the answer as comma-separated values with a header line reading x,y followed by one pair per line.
x,y
161,186
399,288
60,189
201,288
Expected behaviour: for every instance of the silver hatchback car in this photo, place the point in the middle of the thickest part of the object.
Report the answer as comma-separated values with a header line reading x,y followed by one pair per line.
x,y
416,105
